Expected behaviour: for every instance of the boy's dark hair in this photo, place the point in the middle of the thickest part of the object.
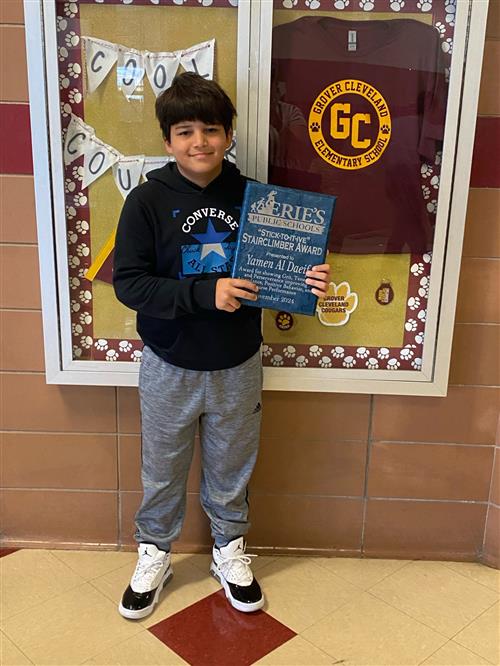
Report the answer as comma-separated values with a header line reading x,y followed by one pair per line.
x,y
191,97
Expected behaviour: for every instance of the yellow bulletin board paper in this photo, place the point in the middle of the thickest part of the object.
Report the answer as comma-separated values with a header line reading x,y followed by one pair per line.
x,y
371,324
131,126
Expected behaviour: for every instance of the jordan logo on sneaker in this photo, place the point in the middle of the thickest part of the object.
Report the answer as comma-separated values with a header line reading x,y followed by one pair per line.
x,y
152,573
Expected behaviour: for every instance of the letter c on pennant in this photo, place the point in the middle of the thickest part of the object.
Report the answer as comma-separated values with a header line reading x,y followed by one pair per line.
x,y
73,138
99,54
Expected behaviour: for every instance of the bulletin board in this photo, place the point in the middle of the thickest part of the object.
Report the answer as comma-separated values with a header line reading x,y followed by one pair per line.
x,y
95,68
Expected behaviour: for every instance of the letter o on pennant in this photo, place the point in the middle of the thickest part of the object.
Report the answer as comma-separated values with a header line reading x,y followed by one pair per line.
x,y
160,70
100,155
133,62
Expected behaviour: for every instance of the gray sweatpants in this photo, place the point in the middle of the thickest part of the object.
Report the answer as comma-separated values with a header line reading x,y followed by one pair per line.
x,y
226,404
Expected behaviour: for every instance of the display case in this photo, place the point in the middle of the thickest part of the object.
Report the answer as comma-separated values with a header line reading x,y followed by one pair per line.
x,y
372,101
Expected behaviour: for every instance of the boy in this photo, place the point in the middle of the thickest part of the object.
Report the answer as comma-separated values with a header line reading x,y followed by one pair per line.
x,y
201,362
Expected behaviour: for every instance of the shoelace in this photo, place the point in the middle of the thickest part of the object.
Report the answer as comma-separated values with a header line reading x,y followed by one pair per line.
x,y
146,572
237,566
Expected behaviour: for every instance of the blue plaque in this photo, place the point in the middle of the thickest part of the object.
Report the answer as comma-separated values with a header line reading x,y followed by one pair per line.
x,y
282,233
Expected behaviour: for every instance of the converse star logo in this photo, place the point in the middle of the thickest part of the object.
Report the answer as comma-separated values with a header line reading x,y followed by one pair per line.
x,y
211,254
211,241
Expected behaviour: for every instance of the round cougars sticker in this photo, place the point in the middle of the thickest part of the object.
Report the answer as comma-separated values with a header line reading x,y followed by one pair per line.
x,y
350,124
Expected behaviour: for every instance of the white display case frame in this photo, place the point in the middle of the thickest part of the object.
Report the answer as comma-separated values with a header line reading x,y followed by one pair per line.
x,y
253,94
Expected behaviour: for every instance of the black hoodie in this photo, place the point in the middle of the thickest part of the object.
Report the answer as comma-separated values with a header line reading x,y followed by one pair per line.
x,y
174,240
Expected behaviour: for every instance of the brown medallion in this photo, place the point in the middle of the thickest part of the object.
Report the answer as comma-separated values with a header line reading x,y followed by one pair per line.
x,y
385,293
284,320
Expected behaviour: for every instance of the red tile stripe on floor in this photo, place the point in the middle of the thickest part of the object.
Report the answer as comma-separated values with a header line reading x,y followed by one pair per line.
x,y
15,133
7,551
211,633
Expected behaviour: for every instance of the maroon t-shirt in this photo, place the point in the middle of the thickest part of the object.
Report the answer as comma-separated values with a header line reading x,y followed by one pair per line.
x,y
359,124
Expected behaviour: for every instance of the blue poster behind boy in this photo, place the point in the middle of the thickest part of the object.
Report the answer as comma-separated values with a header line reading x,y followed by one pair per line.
x,y
283,232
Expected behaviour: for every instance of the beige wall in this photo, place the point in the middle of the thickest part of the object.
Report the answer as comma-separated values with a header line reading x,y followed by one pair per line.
x,y
394,476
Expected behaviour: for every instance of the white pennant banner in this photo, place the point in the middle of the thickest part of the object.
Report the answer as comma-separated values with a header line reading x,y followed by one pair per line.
x,y
200,59
98,158
127,173
130,70
161,69
151,163
100,56
132,64
77,139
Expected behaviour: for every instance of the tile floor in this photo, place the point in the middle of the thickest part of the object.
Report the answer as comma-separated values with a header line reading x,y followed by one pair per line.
x,y
60,607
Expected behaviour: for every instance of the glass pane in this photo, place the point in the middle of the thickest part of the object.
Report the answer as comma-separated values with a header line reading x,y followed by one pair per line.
x,y
358,106
113,60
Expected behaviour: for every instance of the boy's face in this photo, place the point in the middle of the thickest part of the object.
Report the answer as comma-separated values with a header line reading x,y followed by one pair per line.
x,y
198,149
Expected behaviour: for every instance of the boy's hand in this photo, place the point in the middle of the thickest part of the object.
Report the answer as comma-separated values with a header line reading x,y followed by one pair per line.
x,y
229,290
318,277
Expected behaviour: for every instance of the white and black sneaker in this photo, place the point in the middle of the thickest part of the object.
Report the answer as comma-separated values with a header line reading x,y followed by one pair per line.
x,y
231,566
152,573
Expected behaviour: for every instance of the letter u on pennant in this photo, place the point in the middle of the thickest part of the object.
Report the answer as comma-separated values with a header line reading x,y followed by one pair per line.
x,y
127,173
